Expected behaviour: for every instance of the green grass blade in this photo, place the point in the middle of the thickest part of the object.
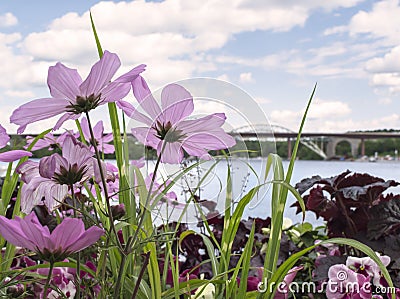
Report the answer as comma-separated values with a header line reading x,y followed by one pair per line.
x,y
247,255
279,197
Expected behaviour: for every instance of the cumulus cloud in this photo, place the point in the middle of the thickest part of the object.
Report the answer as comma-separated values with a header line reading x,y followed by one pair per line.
x,y
321,112
173,37
8,20
385,101
262,100
338,125
26,94
390,62
381,22
379,26
246,77
175,33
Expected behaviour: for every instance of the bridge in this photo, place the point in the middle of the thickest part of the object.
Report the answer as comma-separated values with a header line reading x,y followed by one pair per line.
x,y
355,139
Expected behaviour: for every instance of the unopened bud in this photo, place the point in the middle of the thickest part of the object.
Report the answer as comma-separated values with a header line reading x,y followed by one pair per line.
x,y
118,211
15,291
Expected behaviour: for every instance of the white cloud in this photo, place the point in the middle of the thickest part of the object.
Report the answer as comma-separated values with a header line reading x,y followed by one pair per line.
x,y
172,37
321,114
8,20
175,33
291,120
379,27
19,94
385,101
246,77
390,62
262,100
386,79
381,22
223,77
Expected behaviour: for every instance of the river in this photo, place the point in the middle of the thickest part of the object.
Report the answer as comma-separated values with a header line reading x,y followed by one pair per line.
x,y
243,178
214,187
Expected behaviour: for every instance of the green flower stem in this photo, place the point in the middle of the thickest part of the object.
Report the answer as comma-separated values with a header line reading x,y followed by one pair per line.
x,y
103,180
145,263
46,286
131,241
120,274
146,203
78,257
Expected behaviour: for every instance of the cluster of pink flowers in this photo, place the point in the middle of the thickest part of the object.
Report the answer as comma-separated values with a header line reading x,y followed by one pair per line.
x,y
76,168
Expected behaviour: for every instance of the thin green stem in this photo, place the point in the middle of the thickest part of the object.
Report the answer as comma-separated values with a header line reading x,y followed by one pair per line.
x,y
46,286
120,274
78,257
147,199
140,277
103,180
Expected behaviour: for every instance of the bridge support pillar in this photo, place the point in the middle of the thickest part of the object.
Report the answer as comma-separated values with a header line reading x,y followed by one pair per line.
x,y
333,142
289,148
362,147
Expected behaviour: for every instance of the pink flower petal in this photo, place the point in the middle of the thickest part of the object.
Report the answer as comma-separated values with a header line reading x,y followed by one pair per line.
x,y
36,110
100,74
196,151
85,128
38,234
86,239
47,166
115,91
206,123
67,232
177,103
76,152
145,98
98,130
107,148
63,82
146,136
4,138
64,118
131,75
11,231
172,154
214,140
28,200
14,155
28,170
126,107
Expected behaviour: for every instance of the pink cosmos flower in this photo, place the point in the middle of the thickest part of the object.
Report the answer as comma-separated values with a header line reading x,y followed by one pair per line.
x,y
158,190
4,138
49,140
168,128
52,176
72,96
13,155
68,237
101,140
138,163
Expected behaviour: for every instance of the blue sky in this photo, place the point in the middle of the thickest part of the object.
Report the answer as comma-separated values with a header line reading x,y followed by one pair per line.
x,y
274,50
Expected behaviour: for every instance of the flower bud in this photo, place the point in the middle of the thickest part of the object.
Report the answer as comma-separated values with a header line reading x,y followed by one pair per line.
x,y
118,211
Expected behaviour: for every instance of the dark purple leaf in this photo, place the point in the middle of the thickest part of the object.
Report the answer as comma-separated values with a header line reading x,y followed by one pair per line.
x,y
385,219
